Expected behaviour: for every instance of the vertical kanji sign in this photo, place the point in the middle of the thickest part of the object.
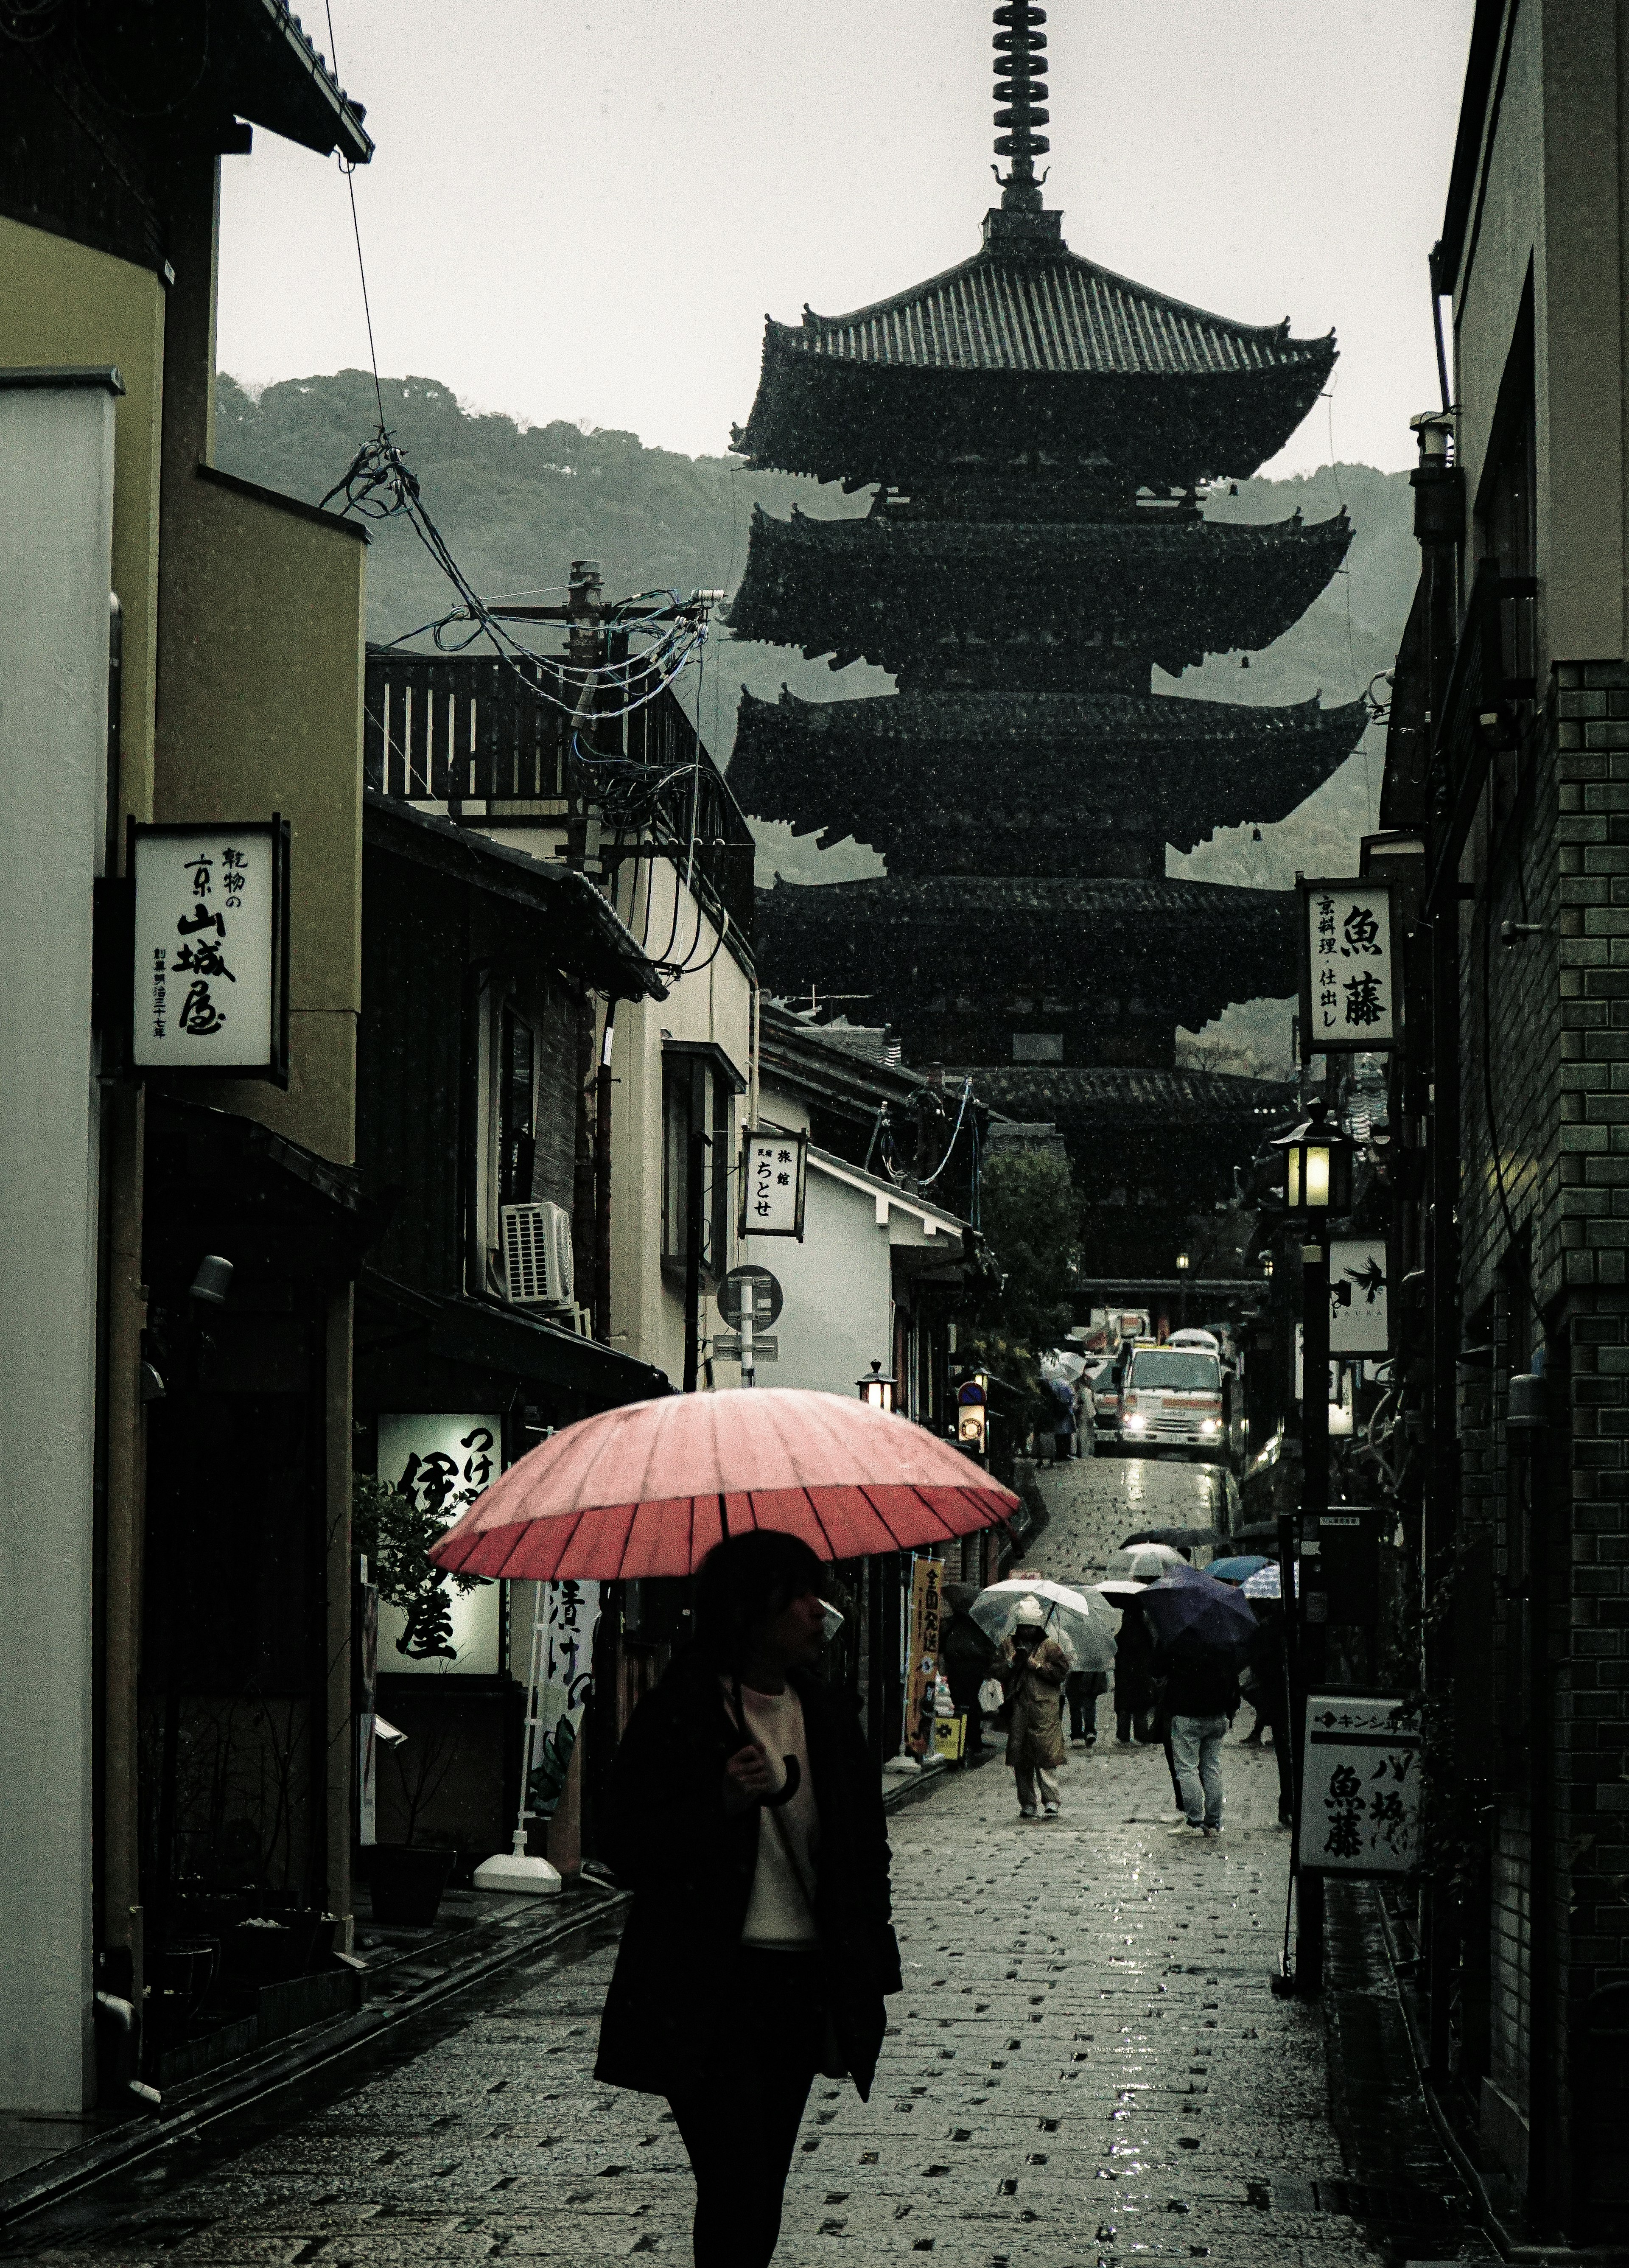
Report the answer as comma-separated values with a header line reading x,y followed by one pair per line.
x,y
1348,1003
771,1184
211,930
927,1578
1359,1810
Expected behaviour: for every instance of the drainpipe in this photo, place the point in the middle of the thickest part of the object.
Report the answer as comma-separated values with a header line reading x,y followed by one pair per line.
x,y
602,1183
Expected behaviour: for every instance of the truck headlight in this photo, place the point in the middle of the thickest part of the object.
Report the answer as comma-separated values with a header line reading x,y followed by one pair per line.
x,y
1134,1425
1210,1426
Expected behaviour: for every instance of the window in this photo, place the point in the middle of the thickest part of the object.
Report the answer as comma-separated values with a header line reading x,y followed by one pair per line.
x,y
1038,1047
698,1085
1505,504
517,1107
505,1133
1181,1373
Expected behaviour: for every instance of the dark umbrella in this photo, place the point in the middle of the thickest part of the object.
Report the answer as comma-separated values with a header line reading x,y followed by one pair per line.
x,y
1189,1608
1185,1539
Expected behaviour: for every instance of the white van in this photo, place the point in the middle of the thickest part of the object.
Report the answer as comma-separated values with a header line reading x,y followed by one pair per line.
x,y
1171,1397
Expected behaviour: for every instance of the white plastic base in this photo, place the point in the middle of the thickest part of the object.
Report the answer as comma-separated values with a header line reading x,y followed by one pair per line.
x,y
510,1870
902,1764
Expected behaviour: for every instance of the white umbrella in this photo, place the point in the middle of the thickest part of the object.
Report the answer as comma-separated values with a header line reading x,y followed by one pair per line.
x,y
1119,1594
1266,1582
1142,1563
1080,1621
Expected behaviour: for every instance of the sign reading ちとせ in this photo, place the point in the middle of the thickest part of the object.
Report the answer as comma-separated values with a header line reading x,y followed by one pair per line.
x,y
772,1185
210,922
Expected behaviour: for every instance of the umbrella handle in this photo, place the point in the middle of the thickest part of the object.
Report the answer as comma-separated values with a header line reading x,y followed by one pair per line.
x,y
785,1793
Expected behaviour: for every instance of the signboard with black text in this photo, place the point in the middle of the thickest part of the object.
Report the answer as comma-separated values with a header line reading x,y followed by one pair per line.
x,y
1348,968
1359,1313
772,1184
1360,1794
210,917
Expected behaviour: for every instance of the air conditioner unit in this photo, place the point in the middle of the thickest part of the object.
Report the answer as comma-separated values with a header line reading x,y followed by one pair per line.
x,y
537,1255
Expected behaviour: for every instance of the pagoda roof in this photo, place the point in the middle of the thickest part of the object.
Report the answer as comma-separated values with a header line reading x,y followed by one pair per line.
x,y
1053,311
1108,1096
1155,589
1190,949
989,782
1106,371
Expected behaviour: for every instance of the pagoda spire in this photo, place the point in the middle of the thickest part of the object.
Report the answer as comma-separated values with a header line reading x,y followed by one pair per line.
x,y
1020,90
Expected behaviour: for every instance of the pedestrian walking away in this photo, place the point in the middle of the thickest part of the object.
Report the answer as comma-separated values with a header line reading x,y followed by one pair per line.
x,y
747,1820
1201,1700
1062,1395
1083,1687
968,1656
1033,1670
1133,1677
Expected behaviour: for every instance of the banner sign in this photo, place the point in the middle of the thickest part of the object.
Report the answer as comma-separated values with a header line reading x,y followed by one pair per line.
x,y
922,1662
210,991
1348,999
441,1461
570,1612
1360,1790
1359,1318
773,1167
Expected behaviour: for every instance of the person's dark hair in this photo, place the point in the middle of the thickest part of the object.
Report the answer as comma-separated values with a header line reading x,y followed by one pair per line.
x,y
743,1581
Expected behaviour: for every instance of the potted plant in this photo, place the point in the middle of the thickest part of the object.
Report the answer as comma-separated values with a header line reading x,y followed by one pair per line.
x,y
408,1879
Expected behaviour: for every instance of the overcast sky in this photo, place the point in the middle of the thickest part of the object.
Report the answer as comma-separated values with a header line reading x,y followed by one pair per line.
x,y
583,211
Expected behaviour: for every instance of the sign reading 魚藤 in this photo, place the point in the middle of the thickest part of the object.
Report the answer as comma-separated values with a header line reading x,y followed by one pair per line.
x,y
1359,1318
210,990
1361,1786
1347,1000
922,1667
771,1184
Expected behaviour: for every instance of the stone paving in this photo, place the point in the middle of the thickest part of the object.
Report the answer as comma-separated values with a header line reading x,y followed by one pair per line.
x,y
1086,2066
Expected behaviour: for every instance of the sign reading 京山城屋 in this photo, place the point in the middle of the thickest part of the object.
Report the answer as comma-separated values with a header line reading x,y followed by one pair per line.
x,y
771,1184
1359,1318
210,990
1359,1811
1348,999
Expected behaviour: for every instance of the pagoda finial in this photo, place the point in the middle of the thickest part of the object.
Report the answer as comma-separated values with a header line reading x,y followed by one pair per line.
x,y
1020,89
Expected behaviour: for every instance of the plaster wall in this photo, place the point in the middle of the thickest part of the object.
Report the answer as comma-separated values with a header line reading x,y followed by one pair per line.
x,y
57,515
714,1002
260,683
838,1284
1550,202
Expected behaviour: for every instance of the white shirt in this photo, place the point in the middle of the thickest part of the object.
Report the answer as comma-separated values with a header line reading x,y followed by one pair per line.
x,y
778,1915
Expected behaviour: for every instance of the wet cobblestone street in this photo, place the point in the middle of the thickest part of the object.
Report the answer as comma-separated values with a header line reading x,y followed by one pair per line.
x,y
1086,2065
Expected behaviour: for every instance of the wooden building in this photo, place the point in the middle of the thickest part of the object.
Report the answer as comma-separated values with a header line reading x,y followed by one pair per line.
x,y
1038,431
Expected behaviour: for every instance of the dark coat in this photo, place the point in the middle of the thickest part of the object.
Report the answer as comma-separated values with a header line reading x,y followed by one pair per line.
x,y
691,1865
1033,1681
968,1655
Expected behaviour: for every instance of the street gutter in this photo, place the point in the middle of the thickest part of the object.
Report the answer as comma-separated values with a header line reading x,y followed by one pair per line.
x,y
190,2108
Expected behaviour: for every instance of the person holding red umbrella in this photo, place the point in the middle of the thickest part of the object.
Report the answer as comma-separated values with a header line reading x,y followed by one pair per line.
x,y
747,1820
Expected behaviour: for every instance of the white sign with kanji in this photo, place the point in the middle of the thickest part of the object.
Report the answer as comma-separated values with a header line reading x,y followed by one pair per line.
x,y
442,1460
1347,996
772,1173
1360,1321
1360,1789
207,949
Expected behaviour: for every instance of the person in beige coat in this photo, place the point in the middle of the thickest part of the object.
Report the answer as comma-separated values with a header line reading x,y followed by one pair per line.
x,y
1033,1670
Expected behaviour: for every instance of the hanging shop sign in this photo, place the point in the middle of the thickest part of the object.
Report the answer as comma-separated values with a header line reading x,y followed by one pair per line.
x,y
569,1612
211,988
441,1461
1361,1791
927,1578
1359,1278
773,1168
1348,1002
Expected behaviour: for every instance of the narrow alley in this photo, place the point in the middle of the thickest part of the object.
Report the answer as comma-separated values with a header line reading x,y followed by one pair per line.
x,y
1087,2064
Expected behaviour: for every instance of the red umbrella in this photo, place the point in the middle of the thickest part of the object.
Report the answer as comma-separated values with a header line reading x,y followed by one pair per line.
x,y
648,1489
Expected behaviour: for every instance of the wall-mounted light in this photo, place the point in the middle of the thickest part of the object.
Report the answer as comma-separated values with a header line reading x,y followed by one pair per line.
x,y
1317,1166
213,1280
878,1389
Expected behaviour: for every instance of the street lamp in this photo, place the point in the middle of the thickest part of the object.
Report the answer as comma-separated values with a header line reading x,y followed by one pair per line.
x,y
1317,1166
1182,1264
1266,1265
878,1389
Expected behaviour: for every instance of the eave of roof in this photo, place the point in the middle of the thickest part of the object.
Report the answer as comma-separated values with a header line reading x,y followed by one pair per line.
x,y
1150,719
898,1199
288,88
565,898
1108,1094
1058,315
1473,131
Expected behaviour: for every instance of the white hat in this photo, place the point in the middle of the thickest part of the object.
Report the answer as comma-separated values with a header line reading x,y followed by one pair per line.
x,y
1031,1613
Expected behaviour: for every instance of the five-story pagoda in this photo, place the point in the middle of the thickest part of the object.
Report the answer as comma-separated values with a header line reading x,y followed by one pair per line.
x,y
1038,432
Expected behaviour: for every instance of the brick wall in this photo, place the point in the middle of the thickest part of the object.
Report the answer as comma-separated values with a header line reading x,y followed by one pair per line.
x,y
1545,1022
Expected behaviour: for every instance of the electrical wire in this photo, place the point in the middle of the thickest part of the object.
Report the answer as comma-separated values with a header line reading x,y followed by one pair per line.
x,y
967,1090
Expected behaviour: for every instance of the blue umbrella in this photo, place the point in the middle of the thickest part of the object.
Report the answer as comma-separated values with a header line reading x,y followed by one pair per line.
x,y
1193,1610
1239,1570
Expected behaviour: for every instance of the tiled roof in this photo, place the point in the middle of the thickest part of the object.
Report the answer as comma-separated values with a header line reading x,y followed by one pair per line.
x,y
1112,1097
1114,899
1061,314
1017,783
